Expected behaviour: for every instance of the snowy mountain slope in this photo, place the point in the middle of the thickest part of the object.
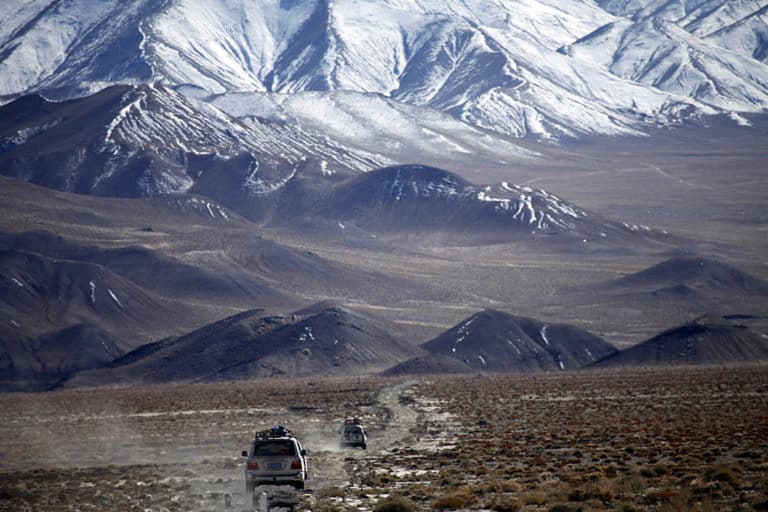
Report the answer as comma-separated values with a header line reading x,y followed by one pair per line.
x,y
749,36
493,65
699,17
143,141
74,47
123,141
663,55
375,124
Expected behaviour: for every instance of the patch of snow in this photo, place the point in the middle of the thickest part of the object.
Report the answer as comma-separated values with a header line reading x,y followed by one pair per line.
x,y
324,168
114,298
543,334
306,334
259,186
122,115
210,210
740,120
23,135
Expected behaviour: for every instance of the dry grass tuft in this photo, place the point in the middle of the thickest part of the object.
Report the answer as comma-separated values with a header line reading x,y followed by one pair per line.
x,y
453,501
394,504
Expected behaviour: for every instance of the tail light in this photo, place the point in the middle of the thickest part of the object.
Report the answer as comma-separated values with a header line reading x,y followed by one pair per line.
x,y
252,465
295,464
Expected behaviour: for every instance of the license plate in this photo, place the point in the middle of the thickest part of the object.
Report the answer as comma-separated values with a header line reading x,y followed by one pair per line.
x,y
275,465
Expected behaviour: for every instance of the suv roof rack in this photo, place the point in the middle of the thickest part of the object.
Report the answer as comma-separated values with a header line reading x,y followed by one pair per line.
x,y
276,431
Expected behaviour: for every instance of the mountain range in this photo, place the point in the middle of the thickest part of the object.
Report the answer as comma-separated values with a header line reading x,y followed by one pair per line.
x,y
147,141
197,191
543,70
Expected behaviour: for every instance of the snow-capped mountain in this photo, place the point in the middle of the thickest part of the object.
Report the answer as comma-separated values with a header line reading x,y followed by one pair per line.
x,y
139,141
375,125
517,67
429,202
655,47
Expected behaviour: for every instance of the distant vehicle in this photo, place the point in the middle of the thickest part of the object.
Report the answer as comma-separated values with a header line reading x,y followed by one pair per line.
x,y
275,457
353,434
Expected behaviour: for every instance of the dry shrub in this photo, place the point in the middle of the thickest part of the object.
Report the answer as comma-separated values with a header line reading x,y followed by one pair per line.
x,y
592,492
534,498
452,501
498,486
330,492
647,472
394,504
505,504
567,507
631,483
677,501
726,473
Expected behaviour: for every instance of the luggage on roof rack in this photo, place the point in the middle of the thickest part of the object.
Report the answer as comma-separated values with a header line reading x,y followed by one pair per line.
x,y
276,431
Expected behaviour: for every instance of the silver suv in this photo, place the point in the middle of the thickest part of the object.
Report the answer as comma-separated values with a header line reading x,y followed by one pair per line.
x,y
352,433
275,457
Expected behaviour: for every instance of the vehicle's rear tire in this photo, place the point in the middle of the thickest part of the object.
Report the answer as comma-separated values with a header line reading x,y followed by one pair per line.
x,y
365,446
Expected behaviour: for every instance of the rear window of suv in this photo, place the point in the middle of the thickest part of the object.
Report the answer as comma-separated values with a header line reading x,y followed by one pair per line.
x,y
277,448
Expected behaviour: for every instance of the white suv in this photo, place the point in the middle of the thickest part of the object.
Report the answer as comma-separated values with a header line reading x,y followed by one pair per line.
x,y
275,457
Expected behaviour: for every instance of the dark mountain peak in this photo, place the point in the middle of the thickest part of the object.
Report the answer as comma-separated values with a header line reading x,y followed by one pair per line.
x,y
320,308
415,198
707,340
39,364
401,182
684,273
431,364
418,173
19,108
492,340
491,315
319,340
